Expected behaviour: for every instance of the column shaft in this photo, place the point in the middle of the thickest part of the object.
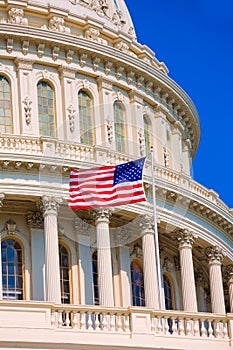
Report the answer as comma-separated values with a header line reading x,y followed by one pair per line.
x,y
150,272
52,268
104,262
216,288
187,279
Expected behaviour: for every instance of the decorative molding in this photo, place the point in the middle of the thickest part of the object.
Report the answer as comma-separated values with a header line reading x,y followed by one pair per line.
x,y
141,141
16,16
69,56
9,45
40,49
57,24
25,47
55,52
130,76
94,34
107,67
146,224
95,63
109,125
27,109
35,219
71,116
83,59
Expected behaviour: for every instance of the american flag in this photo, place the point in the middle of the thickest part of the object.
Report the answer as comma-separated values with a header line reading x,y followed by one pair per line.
x,y
107,186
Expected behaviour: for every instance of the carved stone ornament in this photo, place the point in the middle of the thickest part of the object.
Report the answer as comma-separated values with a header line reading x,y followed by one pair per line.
x,y
27,109
99,6
118,19
102,214
165,156
177,262
50,205
94,35
184,238
109,124
82,227
215,255
35,219
10,227
136,252
71,116
167,264
141,141
199,277
16,16
57,24
146,223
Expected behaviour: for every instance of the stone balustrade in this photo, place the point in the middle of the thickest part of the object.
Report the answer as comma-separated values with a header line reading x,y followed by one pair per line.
x,y
67,152
60,323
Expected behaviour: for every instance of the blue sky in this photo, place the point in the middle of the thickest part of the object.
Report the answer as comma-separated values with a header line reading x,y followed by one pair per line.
x,y
195,40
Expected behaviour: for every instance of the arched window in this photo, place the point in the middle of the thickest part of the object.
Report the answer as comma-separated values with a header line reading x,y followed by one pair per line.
x,y
95,278
64,260
137,284
46,109
5,106
12,269
119,126
168,293
147,134
86,118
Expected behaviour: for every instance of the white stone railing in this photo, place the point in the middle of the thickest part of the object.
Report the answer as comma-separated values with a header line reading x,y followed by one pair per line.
x,y
140,320
67,152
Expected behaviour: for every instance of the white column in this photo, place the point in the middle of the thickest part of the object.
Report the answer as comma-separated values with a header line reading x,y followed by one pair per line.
x,y
184,239
104,262
215,258
149,262
229,278
52,268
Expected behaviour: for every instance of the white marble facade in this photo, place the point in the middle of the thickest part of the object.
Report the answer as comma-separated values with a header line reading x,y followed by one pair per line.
x,y
77,90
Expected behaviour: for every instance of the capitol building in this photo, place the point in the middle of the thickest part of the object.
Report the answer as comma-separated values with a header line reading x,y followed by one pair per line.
x,y
77,90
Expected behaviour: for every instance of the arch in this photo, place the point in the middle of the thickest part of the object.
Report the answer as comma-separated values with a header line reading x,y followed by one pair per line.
x,y
5,105
147,134
137,282
12,256
168,292
46,108
86,118
65,273
119,126
95,277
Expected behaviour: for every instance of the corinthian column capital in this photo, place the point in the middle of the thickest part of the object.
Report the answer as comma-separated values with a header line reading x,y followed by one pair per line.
x,y
215,255
50,205
146,224
184,238
102,214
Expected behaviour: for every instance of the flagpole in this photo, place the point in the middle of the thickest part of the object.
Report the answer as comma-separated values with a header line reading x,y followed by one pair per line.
x,y
156,230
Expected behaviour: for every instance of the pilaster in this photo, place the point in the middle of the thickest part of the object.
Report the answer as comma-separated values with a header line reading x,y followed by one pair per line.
x,y
229,278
